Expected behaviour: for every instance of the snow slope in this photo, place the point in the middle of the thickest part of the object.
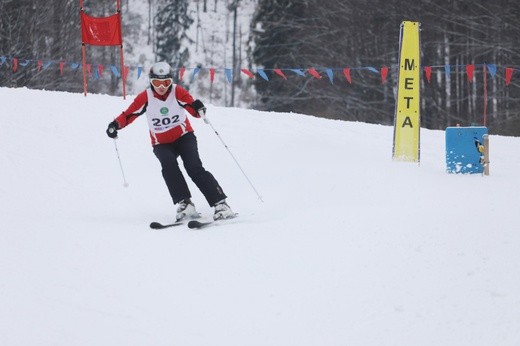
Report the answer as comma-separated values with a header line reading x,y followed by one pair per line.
x,y
348,247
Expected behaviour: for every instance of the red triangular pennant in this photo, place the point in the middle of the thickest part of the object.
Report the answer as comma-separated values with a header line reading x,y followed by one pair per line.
x,y
62,63
346,72
314,73
428,72
15,64
100,70
247,73
40,63
212,74
280,73
384,74
181,73
469,71
509,74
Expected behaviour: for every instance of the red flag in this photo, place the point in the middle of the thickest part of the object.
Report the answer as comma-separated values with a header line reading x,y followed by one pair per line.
x,y
105,31
212,74
15,64
346,72
428,72
509,74
314,73
62,63
280,73
384,74
181,73
247,73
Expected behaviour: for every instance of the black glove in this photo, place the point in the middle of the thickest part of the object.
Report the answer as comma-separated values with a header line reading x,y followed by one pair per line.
x,y
112,129
198,106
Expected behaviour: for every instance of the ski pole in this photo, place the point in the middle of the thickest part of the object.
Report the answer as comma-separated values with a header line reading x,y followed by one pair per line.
x,y
206,120
125,183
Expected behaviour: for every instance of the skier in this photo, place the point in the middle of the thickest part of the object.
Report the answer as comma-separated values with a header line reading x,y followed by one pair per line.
x,y
172,136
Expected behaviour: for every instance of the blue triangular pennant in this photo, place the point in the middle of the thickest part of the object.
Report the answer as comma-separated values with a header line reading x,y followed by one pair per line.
x,y
262,74
228,75
298,72
115,71
492,69
196,71
139,71
329,73
447,70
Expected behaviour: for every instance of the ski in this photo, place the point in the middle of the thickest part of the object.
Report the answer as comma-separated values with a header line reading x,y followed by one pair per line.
x,y
194,224
157,225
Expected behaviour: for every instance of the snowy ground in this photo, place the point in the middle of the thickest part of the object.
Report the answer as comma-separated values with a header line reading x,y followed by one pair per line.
x,y
348,248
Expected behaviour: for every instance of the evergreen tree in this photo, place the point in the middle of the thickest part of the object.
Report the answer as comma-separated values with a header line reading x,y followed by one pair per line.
x,y
171,23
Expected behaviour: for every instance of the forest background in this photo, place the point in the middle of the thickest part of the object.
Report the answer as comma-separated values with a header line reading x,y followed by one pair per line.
x,y
328,35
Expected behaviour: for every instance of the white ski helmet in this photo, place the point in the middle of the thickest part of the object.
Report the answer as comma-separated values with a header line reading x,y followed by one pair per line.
x,y
161,70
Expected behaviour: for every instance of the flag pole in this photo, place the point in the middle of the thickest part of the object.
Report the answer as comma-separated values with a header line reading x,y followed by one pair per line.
x,y
83,52
123,74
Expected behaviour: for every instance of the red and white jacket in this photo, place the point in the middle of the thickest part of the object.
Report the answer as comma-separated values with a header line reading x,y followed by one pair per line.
x,y
166,114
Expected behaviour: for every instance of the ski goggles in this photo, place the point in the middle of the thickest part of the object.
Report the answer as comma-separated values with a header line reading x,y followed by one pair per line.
x,y
157,82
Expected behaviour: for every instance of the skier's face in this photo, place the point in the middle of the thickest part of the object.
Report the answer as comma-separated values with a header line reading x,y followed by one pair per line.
x,y
161,85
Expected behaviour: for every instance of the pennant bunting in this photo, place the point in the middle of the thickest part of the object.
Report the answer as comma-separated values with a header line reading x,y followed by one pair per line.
x,y
384,74
298,72
492,68
346,72
280,73
428,73
262,74
212,74
330,74
447,70
227,71
312,71
194,74
115,71
247,73
509,75
96,71
469,71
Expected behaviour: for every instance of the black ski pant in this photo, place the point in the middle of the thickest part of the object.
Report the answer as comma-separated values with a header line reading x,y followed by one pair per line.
x,y
186,148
